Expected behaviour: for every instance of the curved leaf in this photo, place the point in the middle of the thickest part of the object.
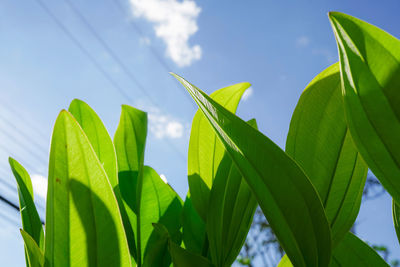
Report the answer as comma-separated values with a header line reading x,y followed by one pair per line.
x,y
396,218
34,253
31,222
370,69
352,251
102,144
83,224
318,130
98,136
230,213
284,193
130,141
193,228
206,151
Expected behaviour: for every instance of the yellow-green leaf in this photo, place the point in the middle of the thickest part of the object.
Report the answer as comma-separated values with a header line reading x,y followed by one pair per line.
x,y
206,151
34,253
83,223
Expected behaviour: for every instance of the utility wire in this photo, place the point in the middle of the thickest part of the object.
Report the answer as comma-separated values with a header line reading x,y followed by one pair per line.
x,y
110,52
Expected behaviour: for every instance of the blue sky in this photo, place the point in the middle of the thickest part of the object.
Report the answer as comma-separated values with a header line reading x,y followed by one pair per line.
x,y
278,46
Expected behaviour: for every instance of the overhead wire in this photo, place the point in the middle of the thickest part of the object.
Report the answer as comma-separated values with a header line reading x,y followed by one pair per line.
x,y
110,51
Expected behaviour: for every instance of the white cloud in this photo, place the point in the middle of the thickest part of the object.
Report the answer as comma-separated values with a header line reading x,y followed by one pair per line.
x,y
174,22
162,176
163,126
39,184
247,94
302,41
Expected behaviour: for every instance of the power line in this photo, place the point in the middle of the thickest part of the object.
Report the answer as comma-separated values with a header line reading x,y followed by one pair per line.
x,y
111,53
83,50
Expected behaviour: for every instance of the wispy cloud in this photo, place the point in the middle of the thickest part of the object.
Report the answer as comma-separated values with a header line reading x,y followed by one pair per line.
x,y
302,41
247,94
174,22
326,53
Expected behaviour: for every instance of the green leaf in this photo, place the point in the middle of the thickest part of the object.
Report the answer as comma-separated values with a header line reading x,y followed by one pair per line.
x,y
370,72
206,151
230,213
83,224
284,193
147,198
318,130
34,253
352,251
103,146
98,136
396,218
159,203
31,222
180,256
193,228
130,141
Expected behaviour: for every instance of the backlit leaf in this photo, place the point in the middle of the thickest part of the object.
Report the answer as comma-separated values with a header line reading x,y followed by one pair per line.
x,y
83,224
34,253
320,142
31,222
370,72
284,193
396,219
206,151
230,213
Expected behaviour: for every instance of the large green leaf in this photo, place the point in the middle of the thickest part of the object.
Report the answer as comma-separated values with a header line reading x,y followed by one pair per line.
x,y
320,142
230,213
284,193
396,219
34,253
83,224
31,222
147,198
370,72
98,136
206,151
103,146
193,228
130,141
350,252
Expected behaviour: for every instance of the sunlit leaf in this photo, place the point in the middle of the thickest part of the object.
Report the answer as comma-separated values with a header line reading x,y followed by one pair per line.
x,y
206,151
147,198
320,142
230,213
34,253
370,72
284,193
83,224
396,219
98,136
31,222
103,146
